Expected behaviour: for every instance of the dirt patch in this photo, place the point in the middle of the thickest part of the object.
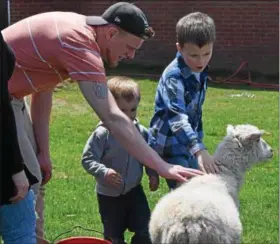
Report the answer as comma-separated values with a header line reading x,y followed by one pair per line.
x,y
65,106
80,109
60,175
57,102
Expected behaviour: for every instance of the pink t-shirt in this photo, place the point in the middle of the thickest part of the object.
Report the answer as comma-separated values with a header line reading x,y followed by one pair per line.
x,y
50,48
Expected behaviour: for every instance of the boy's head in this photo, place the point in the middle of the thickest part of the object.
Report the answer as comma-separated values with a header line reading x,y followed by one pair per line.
x,y
126,93
196,34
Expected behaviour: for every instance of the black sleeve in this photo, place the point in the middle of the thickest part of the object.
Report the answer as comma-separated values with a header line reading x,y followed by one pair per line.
x,y
12,161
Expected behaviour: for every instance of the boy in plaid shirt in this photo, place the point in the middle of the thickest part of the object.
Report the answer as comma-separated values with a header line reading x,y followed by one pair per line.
x,y
176,126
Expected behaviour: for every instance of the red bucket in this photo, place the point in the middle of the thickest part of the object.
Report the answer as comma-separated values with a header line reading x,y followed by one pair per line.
x,y
83,240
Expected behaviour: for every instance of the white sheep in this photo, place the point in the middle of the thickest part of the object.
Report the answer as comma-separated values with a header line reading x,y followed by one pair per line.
x,y
205,209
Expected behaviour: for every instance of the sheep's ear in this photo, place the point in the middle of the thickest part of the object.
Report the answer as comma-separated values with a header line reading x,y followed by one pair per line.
x,y
254,136
230,130
237,142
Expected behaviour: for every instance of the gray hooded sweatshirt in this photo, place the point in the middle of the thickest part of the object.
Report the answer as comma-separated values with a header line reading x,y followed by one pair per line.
x,y
102,151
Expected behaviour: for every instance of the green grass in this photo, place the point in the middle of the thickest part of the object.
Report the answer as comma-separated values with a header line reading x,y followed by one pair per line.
x,y
70,197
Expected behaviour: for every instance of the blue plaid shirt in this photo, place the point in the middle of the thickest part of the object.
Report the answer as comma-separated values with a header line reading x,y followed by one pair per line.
x,y
176,127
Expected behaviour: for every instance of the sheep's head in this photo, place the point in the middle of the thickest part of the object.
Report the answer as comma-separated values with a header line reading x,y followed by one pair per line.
x,y
248,139
242,147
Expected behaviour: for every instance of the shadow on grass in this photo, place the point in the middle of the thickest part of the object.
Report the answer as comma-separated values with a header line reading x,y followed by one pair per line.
x,y
153,73
239,87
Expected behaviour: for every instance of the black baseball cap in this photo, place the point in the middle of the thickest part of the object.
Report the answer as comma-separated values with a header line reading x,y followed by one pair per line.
x,y
127,16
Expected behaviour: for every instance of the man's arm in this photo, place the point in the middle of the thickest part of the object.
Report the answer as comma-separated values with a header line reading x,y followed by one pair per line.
x,y
41,105
103,103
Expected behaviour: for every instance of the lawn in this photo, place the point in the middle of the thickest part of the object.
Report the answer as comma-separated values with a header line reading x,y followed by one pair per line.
x,y
70,197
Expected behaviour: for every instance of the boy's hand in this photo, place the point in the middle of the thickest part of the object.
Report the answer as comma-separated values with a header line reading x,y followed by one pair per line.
x,y
113,178
206,162
153,183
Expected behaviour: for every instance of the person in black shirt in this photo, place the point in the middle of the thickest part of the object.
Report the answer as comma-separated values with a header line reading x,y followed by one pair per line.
x,y
17,211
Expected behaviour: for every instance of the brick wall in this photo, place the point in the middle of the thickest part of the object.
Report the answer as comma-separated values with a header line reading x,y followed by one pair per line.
x,y
246,30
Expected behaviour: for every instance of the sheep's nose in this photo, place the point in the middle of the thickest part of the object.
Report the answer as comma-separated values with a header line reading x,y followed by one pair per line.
x,y
271,150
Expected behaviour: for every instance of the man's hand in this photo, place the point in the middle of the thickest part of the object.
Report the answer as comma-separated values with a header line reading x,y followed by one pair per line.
x,y
113,178
153,183
22,186
177,172
46,168
206,162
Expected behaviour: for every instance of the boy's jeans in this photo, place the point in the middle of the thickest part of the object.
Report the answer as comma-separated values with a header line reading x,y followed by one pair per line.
x,y
130,211
18,221
183,161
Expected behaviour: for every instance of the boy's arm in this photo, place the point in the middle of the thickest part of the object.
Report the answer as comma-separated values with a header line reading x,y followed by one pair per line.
x,y
174,97
145,133
150,172
93,152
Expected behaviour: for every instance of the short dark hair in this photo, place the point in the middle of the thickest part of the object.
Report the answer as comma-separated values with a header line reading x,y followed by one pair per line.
x,y
196,28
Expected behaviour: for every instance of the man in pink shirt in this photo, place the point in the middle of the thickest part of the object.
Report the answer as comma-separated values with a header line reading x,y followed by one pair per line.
x,y
53,46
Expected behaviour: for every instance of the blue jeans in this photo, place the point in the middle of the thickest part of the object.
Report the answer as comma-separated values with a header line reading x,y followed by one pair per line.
x,y
18,221
184,161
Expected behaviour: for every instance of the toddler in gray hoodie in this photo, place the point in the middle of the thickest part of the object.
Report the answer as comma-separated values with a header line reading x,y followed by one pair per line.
x,y
121,199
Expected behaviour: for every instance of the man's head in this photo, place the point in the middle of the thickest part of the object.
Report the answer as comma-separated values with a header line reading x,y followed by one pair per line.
x,y
124,29
126,93
196,34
